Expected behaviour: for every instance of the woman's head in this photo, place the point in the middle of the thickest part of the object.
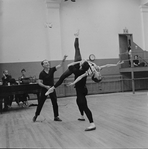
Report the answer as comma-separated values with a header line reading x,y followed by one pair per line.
x,y
96,77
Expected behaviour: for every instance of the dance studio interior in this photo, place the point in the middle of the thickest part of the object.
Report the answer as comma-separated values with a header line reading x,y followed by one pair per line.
x,y
111,33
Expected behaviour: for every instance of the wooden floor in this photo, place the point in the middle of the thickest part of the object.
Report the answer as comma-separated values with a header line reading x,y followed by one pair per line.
x,y
121,120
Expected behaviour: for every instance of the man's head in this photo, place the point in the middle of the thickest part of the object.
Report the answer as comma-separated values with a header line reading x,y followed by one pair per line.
x,y
23,71
5,72
46,64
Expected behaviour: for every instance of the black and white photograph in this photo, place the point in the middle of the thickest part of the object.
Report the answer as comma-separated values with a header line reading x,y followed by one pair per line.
x,y
74,74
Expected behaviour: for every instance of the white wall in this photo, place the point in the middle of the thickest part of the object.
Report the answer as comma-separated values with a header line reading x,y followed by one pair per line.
x,y
24,37
23,32
100,22
143,2
144,18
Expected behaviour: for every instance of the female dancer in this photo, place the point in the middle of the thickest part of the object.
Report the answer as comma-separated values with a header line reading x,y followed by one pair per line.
x,y
94,71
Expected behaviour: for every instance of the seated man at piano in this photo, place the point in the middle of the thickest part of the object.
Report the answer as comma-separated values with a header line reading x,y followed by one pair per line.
x,y
7,80
23,72
23,97
24,79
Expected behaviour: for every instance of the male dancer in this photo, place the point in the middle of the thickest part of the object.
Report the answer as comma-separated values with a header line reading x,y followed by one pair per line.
x,y
46,80
81,89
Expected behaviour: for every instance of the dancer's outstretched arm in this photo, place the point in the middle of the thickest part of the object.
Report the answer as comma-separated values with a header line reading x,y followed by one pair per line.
x,y
78,79
74,63
61,64
110,65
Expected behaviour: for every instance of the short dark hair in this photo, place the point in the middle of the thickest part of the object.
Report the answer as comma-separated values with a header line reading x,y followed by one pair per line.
x,y
42,62
23,70
95,79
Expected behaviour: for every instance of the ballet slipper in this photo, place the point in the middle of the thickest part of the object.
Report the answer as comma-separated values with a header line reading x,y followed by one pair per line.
x,y
91,127
49,91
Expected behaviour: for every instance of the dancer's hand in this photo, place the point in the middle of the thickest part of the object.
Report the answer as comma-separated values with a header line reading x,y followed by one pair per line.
x,y
65,56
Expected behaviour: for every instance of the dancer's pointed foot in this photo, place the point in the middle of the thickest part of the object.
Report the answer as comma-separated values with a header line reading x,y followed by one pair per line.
x,y
50,91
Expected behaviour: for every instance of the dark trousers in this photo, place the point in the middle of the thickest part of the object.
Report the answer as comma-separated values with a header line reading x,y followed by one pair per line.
x,y
81,91
77,57
82,103
8,101
42,99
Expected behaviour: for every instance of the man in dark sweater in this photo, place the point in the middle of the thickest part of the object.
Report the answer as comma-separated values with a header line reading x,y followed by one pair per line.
x,y
46,80
7,80
81,91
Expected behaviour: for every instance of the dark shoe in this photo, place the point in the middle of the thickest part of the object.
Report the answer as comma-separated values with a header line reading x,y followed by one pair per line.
x,y
34,118
57,119
31,105
81,119
90,129
9,106
6,107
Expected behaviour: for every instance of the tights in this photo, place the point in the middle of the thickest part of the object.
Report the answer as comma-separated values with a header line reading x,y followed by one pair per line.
x,y
77,57
82,91
82,103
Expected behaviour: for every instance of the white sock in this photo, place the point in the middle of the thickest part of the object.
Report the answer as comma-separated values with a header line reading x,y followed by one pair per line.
x,y
92,125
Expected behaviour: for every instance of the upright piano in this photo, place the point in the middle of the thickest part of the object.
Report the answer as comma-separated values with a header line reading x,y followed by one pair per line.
x,y
18,89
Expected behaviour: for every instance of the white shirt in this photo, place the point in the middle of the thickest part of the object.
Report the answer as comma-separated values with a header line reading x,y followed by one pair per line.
x,y
93,68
